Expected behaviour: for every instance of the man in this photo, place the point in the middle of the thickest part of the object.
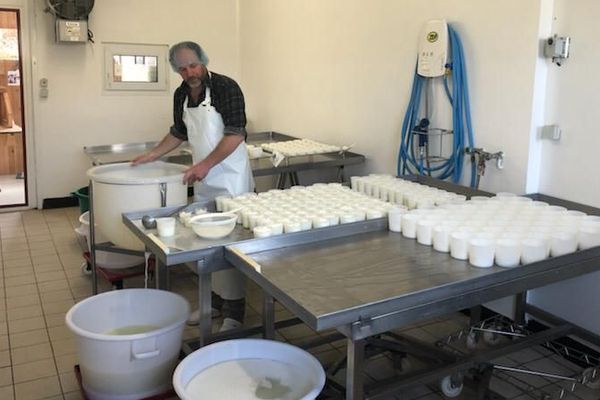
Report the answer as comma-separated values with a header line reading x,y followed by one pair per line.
x,y
209,113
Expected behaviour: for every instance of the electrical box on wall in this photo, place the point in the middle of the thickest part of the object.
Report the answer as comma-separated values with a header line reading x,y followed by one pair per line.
x,y
557,48
68,31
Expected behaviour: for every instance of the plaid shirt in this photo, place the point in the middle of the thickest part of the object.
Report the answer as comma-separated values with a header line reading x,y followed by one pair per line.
x,y
226,97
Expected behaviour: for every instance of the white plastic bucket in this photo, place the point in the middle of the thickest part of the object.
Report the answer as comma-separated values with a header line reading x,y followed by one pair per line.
x,y
239,369
128,366
121,188
105,258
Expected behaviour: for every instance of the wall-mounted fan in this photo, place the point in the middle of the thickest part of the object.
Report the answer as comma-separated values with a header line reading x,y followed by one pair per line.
x,y
70,9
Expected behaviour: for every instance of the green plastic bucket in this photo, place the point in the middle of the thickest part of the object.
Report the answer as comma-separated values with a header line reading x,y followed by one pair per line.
x,y
82,195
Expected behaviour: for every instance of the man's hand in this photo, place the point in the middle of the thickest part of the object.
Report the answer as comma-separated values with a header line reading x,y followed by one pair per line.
x,y
196,172
144,158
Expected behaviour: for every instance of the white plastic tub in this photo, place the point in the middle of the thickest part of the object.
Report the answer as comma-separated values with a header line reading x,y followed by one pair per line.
x,y
120,188
118,366
247,369
103,258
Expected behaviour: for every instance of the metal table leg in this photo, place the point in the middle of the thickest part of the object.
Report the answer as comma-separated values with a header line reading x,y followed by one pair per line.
x,y
354,369
521,304
204,304
268,316
294,180
93,239
340,174
281,181
475,315
161,275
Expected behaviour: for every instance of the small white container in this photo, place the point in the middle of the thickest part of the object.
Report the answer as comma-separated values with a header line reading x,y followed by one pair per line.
x,y
354,182
347,218
588,237
360,184
562,243
395,218
292,226
261,231
253,219
425,203
508,252
424,231
334,219
276,228
384,193
533,250
220,202
165,226
305,223
409,225
374,214
441,238
481,252
320,222
591,218
359,215
459,245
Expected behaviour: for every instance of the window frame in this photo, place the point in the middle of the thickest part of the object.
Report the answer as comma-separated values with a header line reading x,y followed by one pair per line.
x,y
160,51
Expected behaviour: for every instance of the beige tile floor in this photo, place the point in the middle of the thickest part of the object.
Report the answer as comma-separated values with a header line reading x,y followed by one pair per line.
x,y
40,279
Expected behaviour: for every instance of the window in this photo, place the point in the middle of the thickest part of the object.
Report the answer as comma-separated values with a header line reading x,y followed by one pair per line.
x,y
135,67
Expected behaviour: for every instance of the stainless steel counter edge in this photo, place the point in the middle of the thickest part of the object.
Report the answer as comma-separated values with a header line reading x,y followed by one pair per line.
x,y
217,251
566,267
413,306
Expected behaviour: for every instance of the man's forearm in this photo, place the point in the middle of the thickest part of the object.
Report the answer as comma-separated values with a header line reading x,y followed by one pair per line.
x,y
168,143
226,146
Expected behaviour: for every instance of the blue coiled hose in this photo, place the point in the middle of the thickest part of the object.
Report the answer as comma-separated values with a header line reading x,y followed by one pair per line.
x,y
458,96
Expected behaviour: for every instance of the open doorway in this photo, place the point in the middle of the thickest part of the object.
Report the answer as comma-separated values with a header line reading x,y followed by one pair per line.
x,y
13,168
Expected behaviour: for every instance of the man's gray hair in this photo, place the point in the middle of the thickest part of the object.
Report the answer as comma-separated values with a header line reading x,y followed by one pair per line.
x,y
187,45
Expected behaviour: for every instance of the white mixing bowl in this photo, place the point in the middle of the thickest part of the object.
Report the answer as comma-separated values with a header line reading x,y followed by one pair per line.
x,y
213,225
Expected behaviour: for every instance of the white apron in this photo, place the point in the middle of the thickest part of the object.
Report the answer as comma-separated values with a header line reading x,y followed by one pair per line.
x,y
232,176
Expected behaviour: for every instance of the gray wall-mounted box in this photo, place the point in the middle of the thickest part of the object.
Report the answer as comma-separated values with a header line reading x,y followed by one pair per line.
x,y
68,31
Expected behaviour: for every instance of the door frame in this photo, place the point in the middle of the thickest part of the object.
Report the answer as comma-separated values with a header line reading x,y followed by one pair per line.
x,y
28,61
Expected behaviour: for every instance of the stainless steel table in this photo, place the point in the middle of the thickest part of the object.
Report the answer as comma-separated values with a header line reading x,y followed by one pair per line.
x,y
361,279
207,256
289,167
373,282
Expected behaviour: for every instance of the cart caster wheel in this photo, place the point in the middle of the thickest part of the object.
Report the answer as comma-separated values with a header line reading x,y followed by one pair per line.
x,y
491,338
449,389
472,341
592,378
86,268
402,364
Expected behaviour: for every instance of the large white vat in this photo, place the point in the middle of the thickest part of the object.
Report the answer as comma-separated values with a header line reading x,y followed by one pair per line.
x,y
117,363
248,369
120,188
